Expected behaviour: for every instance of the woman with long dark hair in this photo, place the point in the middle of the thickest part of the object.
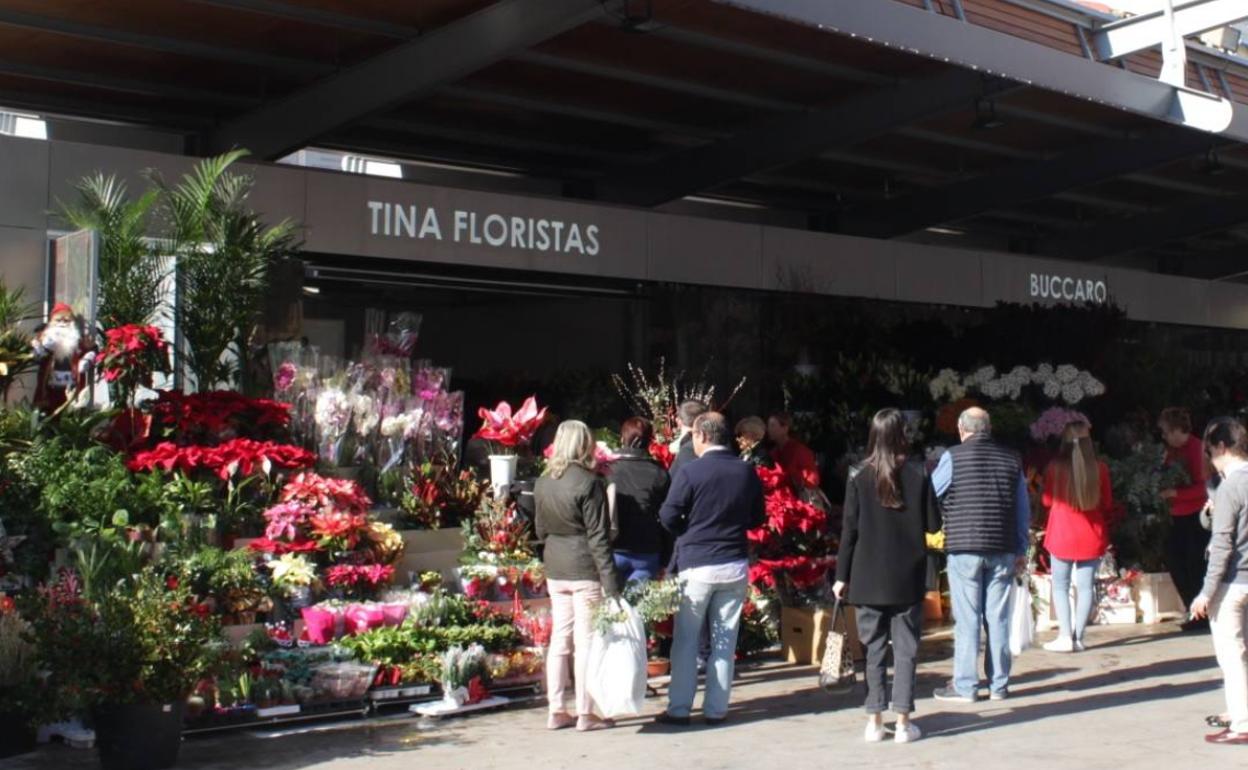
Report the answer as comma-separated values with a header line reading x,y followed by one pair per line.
x,y
1078,495
890,506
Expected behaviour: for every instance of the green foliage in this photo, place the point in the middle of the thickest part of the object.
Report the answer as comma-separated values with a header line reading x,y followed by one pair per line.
x,y
1138,480
146,642
130,269
223,254
15,354
83,498
228,577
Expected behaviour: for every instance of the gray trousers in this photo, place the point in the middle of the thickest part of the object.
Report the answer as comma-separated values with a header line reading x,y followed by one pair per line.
x,y
876,627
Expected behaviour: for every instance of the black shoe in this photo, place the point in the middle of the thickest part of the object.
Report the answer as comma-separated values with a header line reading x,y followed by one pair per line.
x,y
1195,627
714,721
671,721
950,695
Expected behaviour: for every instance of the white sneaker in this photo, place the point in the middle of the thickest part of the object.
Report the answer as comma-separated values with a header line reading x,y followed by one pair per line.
x,y
874,733
1060,644
908,734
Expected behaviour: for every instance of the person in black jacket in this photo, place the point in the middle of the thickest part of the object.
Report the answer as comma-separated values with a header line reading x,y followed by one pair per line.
x,y
890,505
686,414
712,503
640,486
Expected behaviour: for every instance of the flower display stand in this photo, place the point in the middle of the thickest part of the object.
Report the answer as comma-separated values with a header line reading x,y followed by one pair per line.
x,y
442,709
430,550
1157,597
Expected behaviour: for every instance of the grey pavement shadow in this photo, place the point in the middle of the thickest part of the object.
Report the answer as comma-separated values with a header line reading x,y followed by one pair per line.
x,y
815,701
951,723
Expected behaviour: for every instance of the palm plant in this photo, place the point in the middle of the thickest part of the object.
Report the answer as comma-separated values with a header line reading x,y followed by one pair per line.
x,y
223,254
15,354
131,269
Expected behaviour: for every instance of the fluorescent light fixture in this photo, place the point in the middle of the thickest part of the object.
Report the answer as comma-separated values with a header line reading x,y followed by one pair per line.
x,y
945,230
311,290
23,125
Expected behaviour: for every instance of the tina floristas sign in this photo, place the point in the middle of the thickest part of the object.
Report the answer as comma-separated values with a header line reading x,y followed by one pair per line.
x,y
467,226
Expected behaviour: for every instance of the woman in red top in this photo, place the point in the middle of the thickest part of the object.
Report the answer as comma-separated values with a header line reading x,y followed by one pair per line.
x,y
1078,495
1188,539
793,457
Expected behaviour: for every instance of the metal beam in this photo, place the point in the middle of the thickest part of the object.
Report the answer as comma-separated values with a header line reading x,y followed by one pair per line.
x,y
181,47
629,75
1023,182
1149,30
777,141
1185,221
565,109
318,17
405,72
916,31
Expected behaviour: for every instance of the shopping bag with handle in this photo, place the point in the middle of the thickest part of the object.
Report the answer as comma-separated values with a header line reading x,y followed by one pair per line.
x,y
836,670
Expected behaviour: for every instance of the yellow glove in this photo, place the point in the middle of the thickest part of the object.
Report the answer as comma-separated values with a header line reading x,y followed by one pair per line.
x,y
936,541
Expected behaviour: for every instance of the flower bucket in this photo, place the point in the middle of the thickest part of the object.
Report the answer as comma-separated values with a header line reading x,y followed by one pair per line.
x,y
502,473
138,736
393,614
320,625
363,617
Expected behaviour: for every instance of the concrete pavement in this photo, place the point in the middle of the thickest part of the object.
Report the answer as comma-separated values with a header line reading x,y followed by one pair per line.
x,y
1136,698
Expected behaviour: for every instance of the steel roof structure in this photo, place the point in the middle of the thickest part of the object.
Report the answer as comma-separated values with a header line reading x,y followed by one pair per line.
x,y
1030,126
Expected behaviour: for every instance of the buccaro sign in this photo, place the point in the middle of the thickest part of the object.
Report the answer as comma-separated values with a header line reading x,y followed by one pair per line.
x,y
1065,288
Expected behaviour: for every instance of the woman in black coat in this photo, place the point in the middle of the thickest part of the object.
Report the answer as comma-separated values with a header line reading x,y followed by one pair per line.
x,y
881,569
640,486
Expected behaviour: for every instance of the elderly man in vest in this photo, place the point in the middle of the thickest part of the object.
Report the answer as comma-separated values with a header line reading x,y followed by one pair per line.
x,y
987,514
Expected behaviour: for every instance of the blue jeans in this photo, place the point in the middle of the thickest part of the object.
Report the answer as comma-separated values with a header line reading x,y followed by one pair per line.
x,y
721,603
979,585
1085,573
636,566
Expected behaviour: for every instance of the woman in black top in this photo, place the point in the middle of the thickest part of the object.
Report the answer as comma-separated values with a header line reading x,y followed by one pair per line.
x,y
881,569
640,487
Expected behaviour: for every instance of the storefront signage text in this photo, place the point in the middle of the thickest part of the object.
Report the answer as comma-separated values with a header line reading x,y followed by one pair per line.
x,y
397,220
1066,288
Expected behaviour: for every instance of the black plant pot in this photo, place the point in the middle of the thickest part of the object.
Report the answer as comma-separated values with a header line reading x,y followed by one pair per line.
x,y
15,738
138,736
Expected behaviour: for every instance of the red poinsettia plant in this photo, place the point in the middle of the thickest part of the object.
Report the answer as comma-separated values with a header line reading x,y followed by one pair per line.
x,y
793,547
131,355
238,458
215,416
508,429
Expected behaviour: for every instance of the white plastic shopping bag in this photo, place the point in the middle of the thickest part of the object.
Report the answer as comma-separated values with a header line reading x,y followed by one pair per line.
x,y
616,675
1022,618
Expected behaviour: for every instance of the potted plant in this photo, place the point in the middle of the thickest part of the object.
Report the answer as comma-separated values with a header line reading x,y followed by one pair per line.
x,y
19,695
507,432
293,577
129,655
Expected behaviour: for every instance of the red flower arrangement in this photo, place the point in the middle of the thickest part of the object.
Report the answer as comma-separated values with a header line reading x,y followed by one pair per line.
x,y
505,428
338,528
793,547
325,494
206,416
662,454
359,575
239,456
132,353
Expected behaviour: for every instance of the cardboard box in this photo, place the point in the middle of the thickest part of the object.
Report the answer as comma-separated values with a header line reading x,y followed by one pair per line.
x,y
804,632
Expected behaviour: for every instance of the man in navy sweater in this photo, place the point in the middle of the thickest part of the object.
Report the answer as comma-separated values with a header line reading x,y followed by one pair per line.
x,y
712,503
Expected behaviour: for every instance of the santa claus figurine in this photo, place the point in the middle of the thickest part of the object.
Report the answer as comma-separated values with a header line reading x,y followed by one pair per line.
x,y
65,354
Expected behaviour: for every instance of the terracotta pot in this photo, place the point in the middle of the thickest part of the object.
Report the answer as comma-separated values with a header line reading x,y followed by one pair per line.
x,y
658,667
933,610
